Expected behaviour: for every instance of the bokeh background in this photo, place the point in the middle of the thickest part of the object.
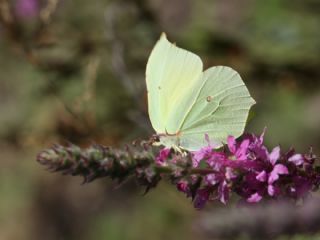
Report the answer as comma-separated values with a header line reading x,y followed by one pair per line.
x,y
74,71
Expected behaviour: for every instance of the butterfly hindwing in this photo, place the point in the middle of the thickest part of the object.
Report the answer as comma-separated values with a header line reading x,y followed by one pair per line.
x,y
221,108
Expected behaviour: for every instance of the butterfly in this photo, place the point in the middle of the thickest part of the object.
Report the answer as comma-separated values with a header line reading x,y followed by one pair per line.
x,y
185,103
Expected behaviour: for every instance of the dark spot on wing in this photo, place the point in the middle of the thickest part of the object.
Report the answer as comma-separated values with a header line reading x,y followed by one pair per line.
x,y
209,99
159,87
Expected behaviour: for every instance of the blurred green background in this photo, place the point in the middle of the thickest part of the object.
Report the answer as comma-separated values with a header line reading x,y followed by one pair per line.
x,y
74,71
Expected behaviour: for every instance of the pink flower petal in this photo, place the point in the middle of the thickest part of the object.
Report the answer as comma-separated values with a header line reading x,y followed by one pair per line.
x,y
232,145
200,155
211,179
201,198
261,138
262,176
273,190
163,156
27,8
223,192
241,153
297,159
278,169
182,186
254,198
274,155
230,174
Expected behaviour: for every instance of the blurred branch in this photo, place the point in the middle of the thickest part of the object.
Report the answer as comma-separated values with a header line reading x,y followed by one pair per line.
x,y
119,67
118,63
46,13
8,21
81,109
262,222
85,104
90,78
5,15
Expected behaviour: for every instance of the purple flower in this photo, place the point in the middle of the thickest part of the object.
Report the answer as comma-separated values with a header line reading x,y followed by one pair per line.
x,y
244,167
256,147
182,186
254,198
262,176
230,173
27,8
232,144
272,176
297,159
251,171
277,170
217,160
301,186
201,154
163,156
201,198
274,155
273,158
240,152
273,190
211,179
205,153
223,192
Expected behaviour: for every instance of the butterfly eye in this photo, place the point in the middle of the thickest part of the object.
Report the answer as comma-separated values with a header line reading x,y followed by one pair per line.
x,y
209,99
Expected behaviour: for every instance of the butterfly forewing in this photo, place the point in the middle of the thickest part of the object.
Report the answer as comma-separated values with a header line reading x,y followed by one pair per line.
x,y
173,78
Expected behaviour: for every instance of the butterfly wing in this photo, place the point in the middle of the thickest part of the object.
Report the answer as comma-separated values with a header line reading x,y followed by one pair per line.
x,y
221,109
173,79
